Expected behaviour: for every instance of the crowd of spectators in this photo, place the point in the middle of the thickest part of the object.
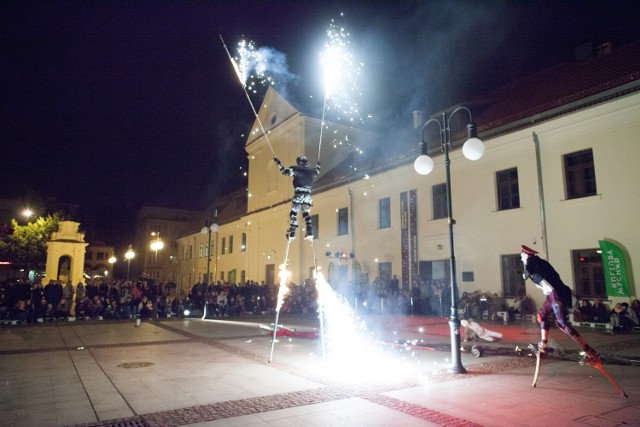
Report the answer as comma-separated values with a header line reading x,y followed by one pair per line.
x,y
623,317
26,302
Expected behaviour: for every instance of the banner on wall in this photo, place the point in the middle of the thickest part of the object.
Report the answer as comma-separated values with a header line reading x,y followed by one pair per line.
x,y
615,269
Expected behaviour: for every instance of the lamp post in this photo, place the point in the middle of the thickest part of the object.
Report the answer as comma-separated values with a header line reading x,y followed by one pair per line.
x,y
129,256
473,149
112,260
156,245
211,226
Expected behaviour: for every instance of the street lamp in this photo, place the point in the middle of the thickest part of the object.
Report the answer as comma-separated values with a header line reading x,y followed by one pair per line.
x,y
473,149
157,243
211,226
112,260
129,255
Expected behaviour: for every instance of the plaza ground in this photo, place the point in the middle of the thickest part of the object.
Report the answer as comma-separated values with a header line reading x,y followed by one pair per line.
x,y
193,372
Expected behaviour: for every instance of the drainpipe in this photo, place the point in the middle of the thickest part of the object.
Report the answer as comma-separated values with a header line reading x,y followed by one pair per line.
x,y
543,217
353,229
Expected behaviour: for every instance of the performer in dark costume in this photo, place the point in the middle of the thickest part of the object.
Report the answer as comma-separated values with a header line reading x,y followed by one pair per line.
x,y
557,302
303,177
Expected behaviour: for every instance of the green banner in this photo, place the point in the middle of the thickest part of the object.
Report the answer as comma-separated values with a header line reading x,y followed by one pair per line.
x,y
615,269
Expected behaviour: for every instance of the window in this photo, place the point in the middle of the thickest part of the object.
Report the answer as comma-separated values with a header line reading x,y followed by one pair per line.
x,y
508,190
580,174
384,213
512,269
101,255
439,194
230,244
201,252
243,246
315,223
223,247
588,274
206,250
343,221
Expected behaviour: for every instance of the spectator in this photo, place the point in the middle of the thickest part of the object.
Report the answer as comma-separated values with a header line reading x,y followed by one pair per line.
x,y
95,308
82,307
621,318
53,292
635,306
160,306
522,305
67,293
600,312
80,292
113,310
42,310
222,302
178,306
145,308
62,309
473,330
37,292
583,312
20,311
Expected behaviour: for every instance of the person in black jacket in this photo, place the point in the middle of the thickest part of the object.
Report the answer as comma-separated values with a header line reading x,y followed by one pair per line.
x,y
303,177
557,302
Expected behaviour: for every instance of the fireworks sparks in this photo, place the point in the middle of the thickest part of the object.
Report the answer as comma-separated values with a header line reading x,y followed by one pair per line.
x,y
284,275
252,65
341,74
353,352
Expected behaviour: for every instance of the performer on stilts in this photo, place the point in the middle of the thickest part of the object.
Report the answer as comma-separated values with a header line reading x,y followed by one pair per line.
x,y
558,300
303,176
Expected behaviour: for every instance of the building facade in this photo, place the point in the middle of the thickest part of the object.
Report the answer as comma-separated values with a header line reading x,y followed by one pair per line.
x,y
559,174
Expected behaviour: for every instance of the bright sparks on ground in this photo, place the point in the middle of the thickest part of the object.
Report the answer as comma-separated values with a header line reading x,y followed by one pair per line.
x,y
353,353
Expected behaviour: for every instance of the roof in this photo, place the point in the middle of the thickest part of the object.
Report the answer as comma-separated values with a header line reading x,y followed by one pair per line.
x,y
549,93
558,86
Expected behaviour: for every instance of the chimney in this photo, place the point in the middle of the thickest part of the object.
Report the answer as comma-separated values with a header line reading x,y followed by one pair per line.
x,y
604,49
417,119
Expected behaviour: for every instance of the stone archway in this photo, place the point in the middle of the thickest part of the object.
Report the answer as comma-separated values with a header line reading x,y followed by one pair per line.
x,y
65,254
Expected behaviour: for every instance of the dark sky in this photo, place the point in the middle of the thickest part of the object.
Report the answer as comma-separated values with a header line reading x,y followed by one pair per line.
x,y
114,104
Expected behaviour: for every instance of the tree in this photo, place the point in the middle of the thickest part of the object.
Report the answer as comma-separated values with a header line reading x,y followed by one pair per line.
x,y
27,244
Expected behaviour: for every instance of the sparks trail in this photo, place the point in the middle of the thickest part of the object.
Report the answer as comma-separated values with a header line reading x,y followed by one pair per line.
x,y
244,87
283,290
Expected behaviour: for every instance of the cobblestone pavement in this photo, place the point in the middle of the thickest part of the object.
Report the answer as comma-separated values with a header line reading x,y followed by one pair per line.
x,y
499,373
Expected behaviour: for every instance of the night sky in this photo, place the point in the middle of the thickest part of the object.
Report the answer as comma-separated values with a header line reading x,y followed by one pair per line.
x,y
112,105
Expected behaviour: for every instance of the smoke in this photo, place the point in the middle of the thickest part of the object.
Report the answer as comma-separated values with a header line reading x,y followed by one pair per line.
x,y
433,60
259,68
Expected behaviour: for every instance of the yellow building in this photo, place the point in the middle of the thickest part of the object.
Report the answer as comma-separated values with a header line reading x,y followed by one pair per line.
x,y
558,174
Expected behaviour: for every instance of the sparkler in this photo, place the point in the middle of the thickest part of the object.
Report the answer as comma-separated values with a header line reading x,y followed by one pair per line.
x,y
283,290
341,73
243,67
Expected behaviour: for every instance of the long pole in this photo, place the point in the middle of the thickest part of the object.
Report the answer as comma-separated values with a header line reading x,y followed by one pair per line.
x,y
244,87
454,322
208,253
